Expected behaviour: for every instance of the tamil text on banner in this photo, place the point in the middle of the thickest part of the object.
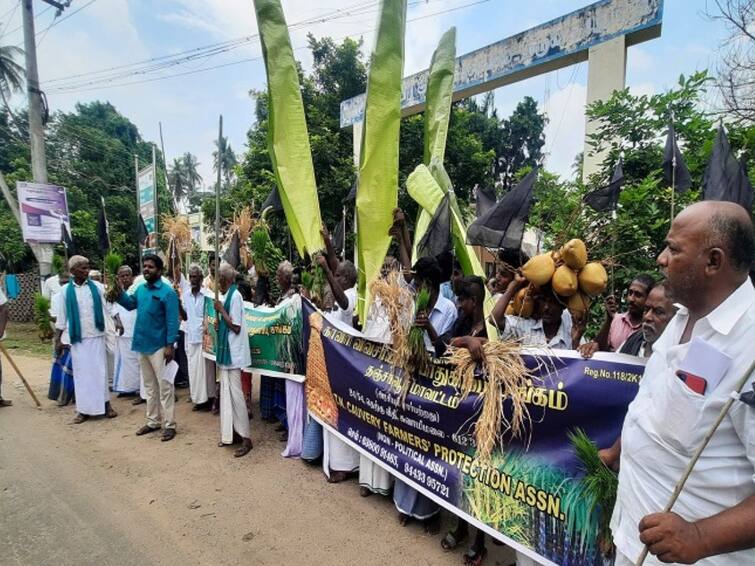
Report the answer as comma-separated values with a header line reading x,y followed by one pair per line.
x,y
148,206
529,494
275,337
44,210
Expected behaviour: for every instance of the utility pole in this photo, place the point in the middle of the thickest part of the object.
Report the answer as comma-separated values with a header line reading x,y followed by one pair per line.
x,y
43,252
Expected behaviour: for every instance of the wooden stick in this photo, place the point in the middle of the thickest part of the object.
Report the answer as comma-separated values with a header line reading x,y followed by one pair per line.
x,y
23,379
680,484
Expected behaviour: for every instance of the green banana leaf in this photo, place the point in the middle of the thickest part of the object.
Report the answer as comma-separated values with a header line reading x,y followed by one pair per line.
x,y
438,100
440,83
288,139
377,194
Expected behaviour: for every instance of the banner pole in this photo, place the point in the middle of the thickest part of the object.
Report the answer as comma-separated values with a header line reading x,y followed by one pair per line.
x,y
217,240
157,213
138,208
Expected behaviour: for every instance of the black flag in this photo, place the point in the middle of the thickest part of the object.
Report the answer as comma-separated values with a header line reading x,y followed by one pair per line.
x,y
103,230
65,238
352,196
141,231
606,198
274,200
503,225
437,239
675,171
484,201
233,253
337,237
726,177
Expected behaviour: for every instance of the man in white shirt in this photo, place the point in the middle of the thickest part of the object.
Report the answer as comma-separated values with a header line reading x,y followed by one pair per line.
x,y
3,324
709,251
231,358
201,382
52,284
82,313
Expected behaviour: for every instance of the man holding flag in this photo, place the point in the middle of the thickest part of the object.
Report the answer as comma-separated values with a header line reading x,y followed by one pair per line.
x,y
81,314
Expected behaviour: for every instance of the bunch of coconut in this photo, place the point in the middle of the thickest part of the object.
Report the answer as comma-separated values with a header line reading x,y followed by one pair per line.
x,y
570,276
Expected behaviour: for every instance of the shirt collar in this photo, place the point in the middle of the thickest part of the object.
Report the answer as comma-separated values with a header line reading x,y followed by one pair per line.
x,y
723,318
156,285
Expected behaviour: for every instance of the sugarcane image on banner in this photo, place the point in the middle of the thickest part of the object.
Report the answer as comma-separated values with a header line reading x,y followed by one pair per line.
x,y
525,475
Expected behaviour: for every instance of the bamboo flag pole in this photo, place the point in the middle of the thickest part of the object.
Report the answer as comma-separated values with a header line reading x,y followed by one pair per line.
x,y
673,168
680,484
18,372
217,238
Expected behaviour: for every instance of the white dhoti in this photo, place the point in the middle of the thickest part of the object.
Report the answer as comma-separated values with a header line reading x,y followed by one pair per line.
x,y
233,415
126,378
373,477
200,383
337,455
89,360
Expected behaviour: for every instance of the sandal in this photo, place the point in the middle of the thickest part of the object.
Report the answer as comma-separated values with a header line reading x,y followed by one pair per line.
x,y
404,519
452,540
365,491
337,477
79,418
473,557
168,434
146,429
246,447
110,412
5,403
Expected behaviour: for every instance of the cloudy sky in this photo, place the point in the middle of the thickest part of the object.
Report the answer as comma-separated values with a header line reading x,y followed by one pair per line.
x,y
93,35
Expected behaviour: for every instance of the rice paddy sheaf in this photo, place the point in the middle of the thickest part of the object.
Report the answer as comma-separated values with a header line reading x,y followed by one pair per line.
x,y
537,505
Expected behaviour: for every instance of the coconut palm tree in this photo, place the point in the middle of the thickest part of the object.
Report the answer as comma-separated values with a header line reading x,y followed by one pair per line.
x,y
177,180
193,178
12,74
224,159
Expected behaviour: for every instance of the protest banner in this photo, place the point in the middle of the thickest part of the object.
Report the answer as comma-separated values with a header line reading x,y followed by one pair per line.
x,y
275,337
529,494
44,209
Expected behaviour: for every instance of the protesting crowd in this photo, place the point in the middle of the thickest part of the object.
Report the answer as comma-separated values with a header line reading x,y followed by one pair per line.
x,y
142,338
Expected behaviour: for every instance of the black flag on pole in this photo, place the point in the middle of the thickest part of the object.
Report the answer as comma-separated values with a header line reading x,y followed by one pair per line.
x,y
103,230
675,171
437,238
141,231
484,201
606,198
66,239
352,195
725,176
274,200
503,225
233,253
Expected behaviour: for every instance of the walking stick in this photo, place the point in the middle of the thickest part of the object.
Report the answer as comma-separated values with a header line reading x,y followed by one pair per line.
x,y
18,371
680,484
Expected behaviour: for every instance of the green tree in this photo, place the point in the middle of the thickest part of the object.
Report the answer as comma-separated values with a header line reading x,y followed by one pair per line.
x,y
12,74
224,160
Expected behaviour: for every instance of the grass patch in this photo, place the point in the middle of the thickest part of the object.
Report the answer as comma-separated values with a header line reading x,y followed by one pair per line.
x,y
23,338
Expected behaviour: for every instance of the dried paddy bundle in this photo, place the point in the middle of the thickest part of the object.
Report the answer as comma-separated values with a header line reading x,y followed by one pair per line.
x,y
243,223
505,375
177,229
395,300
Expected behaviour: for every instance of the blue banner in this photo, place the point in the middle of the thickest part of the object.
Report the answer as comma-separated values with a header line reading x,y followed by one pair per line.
x,y
528,493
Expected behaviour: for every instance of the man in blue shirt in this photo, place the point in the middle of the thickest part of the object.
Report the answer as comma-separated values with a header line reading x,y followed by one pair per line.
x,y
155,332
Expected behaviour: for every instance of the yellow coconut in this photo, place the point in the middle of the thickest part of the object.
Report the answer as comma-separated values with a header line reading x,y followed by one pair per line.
x,y
574,254
565,281
510,308
578,305
539,269
593,279
523,304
